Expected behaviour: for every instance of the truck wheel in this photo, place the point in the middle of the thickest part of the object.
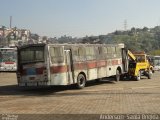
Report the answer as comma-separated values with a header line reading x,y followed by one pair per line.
x,y
138,77
81,81
149,74
118,75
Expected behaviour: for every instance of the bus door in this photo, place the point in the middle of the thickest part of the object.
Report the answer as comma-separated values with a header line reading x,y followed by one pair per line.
x,y
125,60
69,64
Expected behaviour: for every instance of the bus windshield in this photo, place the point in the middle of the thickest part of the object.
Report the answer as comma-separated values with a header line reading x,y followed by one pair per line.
x,y
32,54
8,56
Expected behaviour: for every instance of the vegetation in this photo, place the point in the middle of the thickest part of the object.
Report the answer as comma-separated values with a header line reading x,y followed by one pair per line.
x,y
136,39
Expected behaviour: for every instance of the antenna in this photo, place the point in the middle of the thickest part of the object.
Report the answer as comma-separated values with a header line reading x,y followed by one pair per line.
x,y
10,21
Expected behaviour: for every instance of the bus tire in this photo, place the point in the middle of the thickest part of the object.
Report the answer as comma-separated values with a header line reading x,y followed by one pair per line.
x,y
138,77
118,75
81,81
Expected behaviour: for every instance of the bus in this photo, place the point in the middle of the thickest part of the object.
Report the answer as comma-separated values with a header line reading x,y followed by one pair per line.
x,y
156,63
66,64
8,59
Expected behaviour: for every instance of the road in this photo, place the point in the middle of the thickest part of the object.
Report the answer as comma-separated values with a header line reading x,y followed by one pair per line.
x,y
124,97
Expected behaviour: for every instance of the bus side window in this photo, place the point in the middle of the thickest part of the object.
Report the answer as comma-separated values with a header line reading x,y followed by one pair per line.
x,y
98,52
118,51
75,53
81,52
109,50
90,53
113,49
105,51
57,55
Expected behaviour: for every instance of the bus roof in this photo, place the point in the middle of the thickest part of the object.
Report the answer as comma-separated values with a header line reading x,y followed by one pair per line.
x,y
34,45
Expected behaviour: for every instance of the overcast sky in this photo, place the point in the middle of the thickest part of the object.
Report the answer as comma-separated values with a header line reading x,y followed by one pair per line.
x,y
79,18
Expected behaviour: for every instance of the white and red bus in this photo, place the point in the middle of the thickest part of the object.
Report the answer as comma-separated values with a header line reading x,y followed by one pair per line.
x,y
66,64
8,59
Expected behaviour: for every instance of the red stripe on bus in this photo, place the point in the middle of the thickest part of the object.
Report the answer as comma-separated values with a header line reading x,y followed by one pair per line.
x,y
92,64
80,66
114,62
39,71
58,69
101,63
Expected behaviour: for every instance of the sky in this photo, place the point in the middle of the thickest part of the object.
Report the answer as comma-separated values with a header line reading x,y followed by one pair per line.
x,y
78,18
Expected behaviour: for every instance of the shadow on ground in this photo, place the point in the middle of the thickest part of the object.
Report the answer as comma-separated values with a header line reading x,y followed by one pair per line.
x,y
42,91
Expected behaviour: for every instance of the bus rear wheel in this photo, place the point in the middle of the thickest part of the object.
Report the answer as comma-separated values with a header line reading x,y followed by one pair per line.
x,y
81,81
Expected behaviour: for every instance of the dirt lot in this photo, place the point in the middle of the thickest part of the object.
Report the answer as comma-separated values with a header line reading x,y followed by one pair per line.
x,y
124,97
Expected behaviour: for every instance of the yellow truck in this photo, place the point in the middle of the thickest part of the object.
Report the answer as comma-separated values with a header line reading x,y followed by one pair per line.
x,y
139,65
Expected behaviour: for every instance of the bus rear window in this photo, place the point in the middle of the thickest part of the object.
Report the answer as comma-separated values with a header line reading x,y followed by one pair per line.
x,y
32,54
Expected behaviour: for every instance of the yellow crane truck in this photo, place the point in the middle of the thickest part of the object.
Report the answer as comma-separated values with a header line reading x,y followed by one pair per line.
x,y
139,65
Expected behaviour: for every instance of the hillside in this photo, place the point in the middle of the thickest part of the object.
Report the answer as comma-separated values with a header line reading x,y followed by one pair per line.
x,y
145,39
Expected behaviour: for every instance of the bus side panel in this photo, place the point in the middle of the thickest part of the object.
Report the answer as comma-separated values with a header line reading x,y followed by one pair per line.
x,y
59,79
92,74
102,72
92,70
112,65
101,69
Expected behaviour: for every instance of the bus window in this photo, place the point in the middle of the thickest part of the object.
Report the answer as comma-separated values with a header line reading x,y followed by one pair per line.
x,y
27,56
118,50
75,53
109,49
81,52
39,55
113,49
105,50
90,53
33,54
56,54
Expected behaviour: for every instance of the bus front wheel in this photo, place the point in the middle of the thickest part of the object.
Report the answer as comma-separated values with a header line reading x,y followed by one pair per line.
x,y
81,81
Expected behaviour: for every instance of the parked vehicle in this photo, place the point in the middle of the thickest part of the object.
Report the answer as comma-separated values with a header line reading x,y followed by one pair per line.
x,y
139,65
8,59
66,64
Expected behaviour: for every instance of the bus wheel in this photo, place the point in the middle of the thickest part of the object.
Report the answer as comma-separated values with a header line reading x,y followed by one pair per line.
x,y
138,77
81,81
118,75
